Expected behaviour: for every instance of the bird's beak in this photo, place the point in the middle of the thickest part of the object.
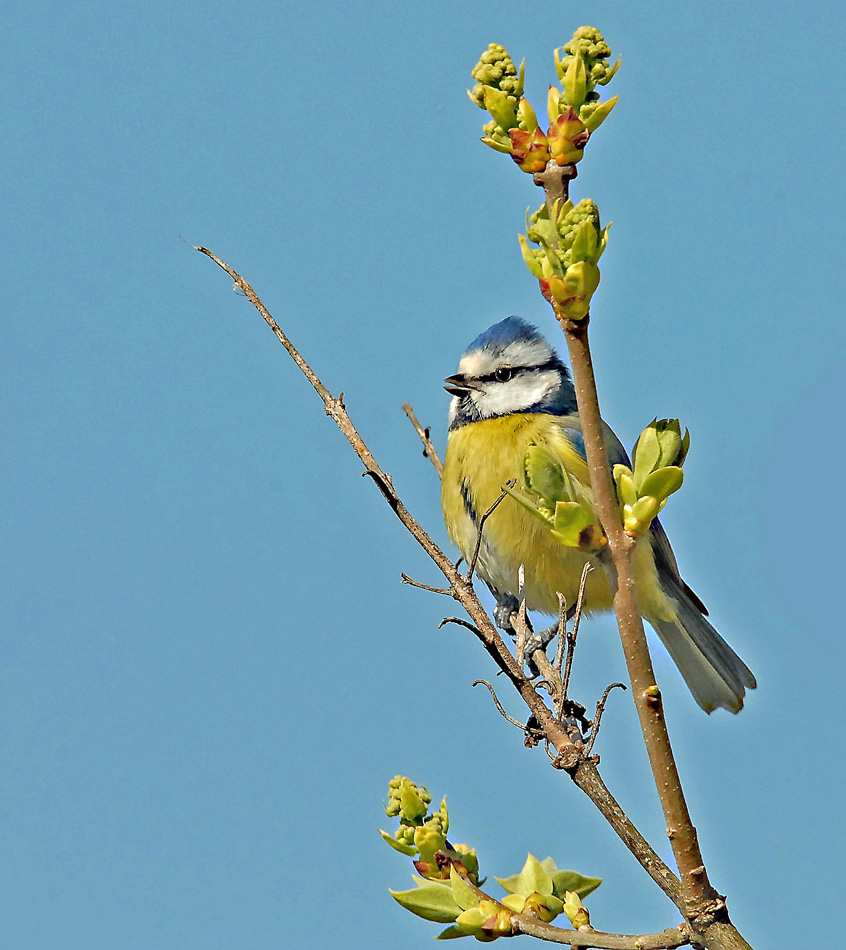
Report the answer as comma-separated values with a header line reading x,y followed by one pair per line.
x,y
460,384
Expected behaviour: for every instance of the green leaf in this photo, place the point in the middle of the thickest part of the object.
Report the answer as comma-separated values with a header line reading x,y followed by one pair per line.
x,y
451,933
543,475
645,509
571,518
563,881
463,894
529,257
503,110
533,878
584,242
530,506
428,840
600,114
625,486
526,116
408,849
431,902
575,81
499,146
663,482
646,453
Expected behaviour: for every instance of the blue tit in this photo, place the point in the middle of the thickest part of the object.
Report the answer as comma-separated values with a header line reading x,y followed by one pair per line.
x,y
512,391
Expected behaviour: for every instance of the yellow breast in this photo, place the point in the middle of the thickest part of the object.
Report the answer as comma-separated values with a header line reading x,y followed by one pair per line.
x,y
481,457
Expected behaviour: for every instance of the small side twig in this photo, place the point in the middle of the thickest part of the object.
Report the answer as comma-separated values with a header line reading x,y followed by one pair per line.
x,y
446,591
473,561
571,636
498,704
429,449
462,623
520,625
562,633
600,709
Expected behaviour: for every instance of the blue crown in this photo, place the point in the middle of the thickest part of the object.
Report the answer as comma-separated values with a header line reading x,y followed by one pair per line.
x,y
506,331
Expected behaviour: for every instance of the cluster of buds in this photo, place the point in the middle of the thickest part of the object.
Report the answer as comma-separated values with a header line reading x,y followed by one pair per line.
x,y
570,243
659,454
574,111
540,891
557,501
424,836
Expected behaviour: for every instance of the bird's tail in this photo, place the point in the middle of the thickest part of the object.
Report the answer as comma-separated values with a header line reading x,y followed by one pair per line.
x,y
714,673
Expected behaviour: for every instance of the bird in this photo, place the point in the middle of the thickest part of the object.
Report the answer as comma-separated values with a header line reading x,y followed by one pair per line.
x,y
512,391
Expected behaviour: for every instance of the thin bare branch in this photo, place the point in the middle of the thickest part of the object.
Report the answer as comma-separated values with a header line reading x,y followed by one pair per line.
x,y
600,709
474,560
498,705
520,624
562,633
461,623
429,449
666,940
448,591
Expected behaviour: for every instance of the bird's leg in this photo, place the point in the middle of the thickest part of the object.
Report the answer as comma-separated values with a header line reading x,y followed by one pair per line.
x,y
506,605
541,640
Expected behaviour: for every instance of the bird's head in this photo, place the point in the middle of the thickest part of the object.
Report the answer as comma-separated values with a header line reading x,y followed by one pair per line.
x,y
509,368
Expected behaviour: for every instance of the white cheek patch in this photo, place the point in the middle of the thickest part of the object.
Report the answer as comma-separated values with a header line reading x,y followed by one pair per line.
x,y
517,395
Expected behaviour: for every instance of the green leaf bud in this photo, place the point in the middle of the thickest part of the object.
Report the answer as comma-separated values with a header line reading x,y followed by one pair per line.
x,y
570,520
575,82
563,881
576,911
545,906
527,119
662,483
533,877
502,108
399,843
429,840
431,901
661,444
531,257
626,491
463,894
544,475
594,113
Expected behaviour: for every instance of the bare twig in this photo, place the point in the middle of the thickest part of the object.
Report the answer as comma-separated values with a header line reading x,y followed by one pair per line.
x,y
461,623
520,625
448,591
429,449
600,709
571,636
562,633
474,560
498,705
666,940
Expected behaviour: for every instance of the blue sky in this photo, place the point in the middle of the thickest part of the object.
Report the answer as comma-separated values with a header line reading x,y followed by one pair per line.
x,y
209,667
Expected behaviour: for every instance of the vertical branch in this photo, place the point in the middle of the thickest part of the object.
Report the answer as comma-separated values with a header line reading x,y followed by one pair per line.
x,y
680,830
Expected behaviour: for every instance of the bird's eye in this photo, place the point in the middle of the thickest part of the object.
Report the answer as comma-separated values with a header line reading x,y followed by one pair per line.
x,y
503,374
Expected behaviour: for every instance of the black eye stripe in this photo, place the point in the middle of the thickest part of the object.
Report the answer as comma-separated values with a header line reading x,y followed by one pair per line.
x,y
516,370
